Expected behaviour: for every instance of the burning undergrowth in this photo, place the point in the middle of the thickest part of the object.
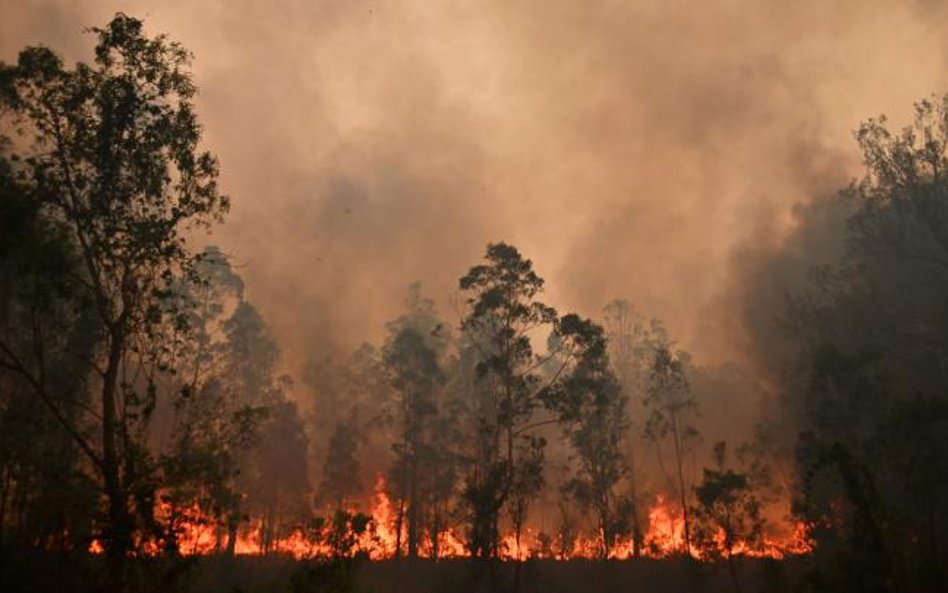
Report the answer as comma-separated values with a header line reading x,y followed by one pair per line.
x,y
373,534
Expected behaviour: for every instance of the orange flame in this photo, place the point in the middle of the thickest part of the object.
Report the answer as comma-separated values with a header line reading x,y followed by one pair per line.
x,y
198,535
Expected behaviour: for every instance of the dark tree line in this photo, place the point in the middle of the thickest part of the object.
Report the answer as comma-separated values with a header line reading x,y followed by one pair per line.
x,y
871,392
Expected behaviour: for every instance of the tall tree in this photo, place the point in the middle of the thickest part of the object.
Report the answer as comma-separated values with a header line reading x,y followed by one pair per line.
x,y
111,151
593,415
273,475
203,428
341,481
671,408
633,342
355,395
255,395
412,358
503,311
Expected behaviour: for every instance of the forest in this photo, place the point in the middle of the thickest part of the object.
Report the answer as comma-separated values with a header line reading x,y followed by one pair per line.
x,y
155,436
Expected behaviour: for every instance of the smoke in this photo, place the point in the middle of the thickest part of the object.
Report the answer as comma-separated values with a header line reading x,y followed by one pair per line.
x,y
650,150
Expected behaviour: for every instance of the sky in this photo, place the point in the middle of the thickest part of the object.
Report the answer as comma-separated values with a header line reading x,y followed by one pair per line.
x,y
648,150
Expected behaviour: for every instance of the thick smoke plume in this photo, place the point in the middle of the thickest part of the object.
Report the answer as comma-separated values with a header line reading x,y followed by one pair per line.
x,y
649,150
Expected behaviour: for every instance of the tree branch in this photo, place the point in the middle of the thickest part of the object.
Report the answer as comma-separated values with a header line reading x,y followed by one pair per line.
x,y
14,364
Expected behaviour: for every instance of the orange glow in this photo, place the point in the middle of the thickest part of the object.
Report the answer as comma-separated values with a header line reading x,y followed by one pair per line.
x,y
666,530
198,535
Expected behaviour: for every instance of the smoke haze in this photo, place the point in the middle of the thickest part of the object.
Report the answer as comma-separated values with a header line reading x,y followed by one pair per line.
x,y
656,151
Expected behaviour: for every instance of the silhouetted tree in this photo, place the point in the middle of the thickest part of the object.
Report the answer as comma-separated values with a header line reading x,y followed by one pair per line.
x,y
274,477
873,331
728,514
341,479
671,408
46,499
113,157
355,392
503,311
633,342
205,428
593,414
412,357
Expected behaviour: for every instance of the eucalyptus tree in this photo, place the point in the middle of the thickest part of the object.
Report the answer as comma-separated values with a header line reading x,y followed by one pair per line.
x,y
671,411
503,312
633,342
592,412
413,357
111,152
202,430
341,481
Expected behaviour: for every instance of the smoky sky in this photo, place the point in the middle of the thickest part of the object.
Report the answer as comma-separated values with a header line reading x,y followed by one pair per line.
x,y
651,150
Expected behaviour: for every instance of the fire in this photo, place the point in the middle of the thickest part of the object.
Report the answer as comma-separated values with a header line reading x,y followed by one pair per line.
x,y
196,534
666,530
383,517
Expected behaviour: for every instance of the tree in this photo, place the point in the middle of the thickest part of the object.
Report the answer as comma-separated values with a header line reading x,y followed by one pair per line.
x,y
354,393
46,501
341,479
593,414
206,431
271,475
670,406
872,332
111,153
633,342
503,312
274,474
727,517
412,357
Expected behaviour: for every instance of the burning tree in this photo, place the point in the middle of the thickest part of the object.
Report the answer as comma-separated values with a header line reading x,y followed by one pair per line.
x,y
632,342
412,357
592,410
671,406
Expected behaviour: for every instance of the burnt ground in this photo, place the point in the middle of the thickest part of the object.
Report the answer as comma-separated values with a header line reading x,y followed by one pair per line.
x,y
277,574
252,575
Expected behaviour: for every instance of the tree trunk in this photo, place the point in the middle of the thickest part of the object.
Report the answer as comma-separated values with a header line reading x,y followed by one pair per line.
x,y
412,514
118,535
4,496
233,522
436,533
679,462
636,531
399,523
636,525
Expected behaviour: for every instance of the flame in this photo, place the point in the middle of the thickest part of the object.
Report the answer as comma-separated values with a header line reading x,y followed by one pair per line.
x,y
198,534
666,530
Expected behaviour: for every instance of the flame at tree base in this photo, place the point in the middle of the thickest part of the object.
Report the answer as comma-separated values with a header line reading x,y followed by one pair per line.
x,y
377,538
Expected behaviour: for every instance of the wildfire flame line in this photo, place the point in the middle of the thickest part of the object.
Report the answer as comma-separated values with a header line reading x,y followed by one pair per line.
x,y
196,535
